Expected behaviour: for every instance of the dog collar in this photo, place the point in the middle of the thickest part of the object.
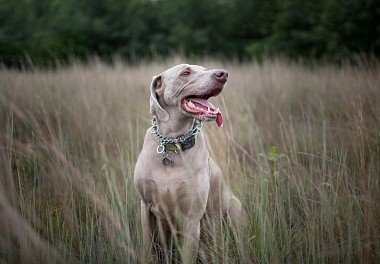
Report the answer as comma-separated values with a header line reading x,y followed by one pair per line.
x,y
177,144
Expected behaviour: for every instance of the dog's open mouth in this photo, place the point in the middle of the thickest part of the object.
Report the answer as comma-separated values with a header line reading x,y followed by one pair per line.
x,y
198,105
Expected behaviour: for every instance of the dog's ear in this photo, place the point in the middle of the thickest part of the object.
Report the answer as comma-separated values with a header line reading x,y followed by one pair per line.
x,y
155,107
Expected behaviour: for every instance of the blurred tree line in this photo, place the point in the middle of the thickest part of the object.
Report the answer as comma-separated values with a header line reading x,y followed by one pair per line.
x,y
46,31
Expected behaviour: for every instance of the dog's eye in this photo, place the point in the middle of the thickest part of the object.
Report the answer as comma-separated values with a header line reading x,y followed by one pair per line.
x,y
185,73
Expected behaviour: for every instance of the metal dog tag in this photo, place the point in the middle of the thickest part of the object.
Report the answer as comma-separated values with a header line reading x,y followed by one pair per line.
x,y
166,161
175,147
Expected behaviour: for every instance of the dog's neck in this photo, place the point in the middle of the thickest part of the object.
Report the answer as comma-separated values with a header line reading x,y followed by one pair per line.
x,y
177,125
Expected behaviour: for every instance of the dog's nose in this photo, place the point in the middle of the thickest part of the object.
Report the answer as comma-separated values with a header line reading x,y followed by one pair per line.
x,y
221,75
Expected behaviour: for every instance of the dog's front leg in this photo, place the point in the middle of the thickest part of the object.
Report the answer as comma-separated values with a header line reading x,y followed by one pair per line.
x,y
148,223
191,234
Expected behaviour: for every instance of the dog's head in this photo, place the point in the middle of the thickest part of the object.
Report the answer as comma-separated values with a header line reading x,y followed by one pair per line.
x,y
187,87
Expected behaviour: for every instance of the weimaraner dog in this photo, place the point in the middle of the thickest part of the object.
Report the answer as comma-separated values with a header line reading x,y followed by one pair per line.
x,y
176,178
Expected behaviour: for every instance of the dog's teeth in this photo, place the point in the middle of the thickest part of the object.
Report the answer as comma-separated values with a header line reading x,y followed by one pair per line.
x,y
208,109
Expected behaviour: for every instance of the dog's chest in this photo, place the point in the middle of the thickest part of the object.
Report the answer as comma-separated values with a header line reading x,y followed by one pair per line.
x,y
168,194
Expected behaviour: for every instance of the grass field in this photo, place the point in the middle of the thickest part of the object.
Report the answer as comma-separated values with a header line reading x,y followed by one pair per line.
x,y
300,147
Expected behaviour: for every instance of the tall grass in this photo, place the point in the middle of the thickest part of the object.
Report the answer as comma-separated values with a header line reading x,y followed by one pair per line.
x,y
300,148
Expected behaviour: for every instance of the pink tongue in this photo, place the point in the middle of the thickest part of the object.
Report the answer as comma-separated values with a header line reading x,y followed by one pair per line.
x,y
205,103
219,119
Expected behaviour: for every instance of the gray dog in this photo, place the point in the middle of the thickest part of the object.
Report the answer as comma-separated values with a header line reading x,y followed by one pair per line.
x,y
178,182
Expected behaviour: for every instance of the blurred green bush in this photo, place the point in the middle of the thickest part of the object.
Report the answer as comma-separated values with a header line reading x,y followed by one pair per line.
x,y
44,32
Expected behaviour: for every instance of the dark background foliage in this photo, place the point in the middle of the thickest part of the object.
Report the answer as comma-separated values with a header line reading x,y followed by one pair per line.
x,y
43,32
